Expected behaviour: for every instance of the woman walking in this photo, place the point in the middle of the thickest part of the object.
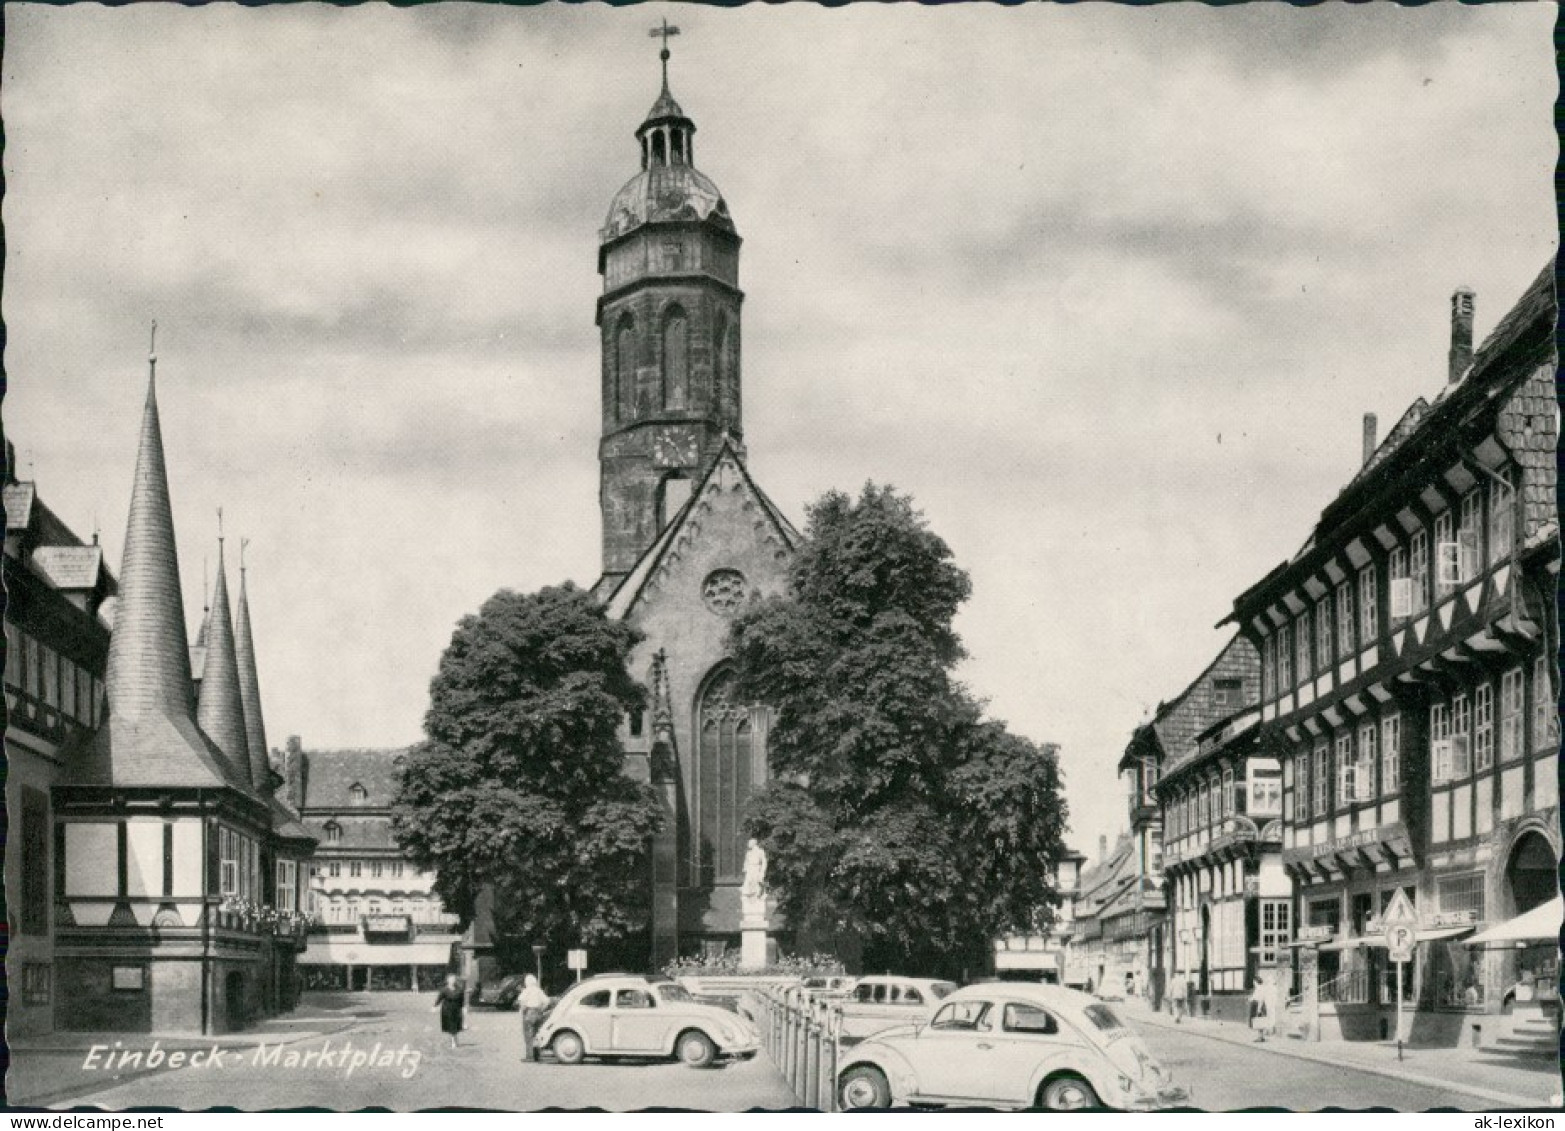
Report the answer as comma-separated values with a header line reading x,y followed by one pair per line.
x,y
448,1003
1261,1019
532,1002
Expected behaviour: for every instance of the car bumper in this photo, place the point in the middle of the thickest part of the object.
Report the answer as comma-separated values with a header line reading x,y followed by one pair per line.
x,y
1171,1095
741,1050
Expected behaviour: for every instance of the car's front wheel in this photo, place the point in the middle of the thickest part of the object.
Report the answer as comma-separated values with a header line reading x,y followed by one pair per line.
x,y
568,1048
863,1086
1067,1093
696,1049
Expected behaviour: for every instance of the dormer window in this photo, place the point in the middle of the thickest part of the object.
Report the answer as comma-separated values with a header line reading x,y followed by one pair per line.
x,y
333,832
358,793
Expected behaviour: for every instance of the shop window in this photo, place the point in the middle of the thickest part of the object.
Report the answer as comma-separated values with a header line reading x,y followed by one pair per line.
x,y
1461,893
1454,976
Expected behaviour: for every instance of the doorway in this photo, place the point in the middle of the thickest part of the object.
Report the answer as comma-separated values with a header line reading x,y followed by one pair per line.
x,y
1530,875
234,999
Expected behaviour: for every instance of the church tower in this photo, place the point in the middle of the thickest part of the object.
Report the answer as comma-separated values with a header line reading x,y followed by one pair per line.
x,y
669,320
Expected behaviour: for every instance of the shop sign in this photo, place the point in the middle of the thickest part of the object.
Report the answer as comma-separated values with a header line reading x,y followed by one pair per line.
x,y
1453,919
1316,934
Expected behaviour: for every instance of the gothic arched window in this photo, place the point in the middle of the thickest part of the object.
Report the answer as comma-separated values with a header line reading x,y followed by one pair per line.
x,y
625,371
725,777
676,359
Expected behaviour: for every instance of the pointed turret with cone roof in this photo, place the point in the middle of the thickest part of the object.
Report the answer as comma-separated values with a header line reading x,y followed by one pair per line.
x,y
150,737
250,684
149,660
221,712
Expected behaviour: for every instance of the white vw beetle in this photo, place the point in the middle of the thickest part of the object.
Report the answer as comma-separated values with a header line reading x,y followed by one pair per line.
x,y
639,1015
1011,1045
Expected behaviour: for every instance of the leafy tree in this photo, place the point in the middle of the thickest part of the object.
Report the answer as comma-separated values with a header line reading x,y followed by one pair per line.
x,y
520,783
897,817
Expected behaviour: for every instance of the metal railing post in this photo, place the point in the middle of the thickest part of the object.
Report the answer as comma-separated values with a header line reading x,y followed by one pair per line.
x,y
812,1059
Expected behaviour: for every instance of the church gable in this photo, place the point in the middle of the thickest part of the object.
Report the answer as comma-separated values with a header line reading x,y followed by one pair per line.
x,y
728,543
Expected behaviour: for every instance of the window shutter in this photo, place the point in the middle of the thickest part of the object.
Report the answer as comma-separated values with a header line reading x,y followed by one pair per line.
x,y
1440,755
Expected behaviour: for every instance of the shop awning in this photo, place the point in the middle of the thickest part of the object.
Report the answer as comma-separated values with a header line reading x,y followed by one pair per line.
x,y
356,952
1442,934
1541,924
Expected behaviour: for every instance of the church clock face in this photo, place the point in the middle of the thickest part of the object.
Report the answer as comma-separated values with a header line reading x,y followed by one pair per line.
x,y
676,447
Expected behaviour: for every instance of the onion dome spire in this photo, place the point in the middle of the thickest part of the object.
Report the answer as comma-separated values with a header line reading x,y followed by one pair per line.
x,y
149,661
220,713
250,683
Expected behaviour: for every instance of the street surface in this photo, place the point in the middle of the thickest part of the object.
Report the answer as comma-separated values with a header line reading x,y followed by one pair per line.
x,y
406,1065
1225,1076
486,1071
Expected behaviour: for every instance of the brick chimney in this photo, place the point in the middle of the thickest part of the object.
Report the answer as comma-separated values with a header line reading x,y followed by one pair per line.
x,y
1461,355
1370,424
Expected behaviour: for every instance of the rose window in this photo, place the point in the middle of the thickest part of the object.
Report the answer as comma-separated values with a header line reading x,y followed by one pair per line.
x,y
723,590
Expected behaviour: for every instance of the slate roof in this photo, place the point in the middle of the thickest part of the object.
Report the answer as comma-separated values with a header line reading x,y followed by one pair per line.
x,y
330,775
221,708
250,688
68,567
154,749
1177,723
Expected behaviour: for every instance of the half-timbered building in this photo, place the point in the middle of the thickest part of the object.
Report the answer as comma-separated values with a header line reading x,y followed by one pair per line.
x,y
1407,676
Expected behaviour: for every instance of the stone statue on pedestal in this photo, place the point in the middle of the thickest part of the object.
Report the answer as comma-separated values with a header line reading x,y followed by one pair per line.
x,y
752,893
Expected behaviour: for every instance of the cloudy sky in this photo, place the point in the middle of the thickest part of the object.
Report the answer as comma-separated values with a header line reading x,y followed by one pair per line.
x,y
1105,289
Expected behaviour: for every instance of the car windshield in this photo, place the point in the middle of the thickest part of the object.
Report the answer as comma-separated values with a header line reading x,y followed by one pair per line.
x,y
674,993
941,989
1104,1018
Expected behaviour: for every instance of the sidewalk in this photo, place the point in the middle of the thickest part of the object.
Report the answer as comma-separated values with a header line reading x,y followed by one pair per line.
x,y
1510,1081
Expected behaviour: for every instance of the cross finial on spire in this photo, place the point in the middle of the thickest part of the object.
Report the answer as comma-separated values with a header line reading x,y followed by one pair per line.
x,y
243,542
152,349
206,602
664,32
219,526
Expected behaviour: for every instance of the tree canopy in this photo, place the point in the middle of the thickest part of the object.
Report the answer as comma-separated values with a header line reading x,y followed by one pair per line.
x,y
896,814
520,781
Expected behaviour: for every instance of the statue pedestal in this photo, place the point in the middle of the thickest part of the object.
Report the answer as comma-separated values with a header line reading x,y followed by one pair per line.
x,y
752,948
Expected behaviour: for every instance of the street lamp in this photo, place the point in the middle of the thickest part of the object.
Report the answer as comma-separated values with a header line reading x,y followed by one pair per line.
x,y
538,961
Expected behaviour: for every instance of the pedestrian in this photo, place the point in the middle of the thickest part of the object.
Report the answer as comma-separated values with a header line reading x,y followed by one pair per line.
x,y
1176,996
1261,1019
532,1002
449,1003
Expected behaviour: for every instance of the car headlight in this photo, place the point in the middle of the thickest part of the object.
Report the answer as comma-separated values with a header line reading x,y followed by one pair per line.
x,y
1126,1084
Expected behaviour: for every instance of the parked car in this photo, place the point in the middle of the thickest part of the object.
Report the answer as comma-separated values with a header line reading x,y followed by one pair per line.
x,y
829,985
643,1016
498,995
881,1001
1010,1045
